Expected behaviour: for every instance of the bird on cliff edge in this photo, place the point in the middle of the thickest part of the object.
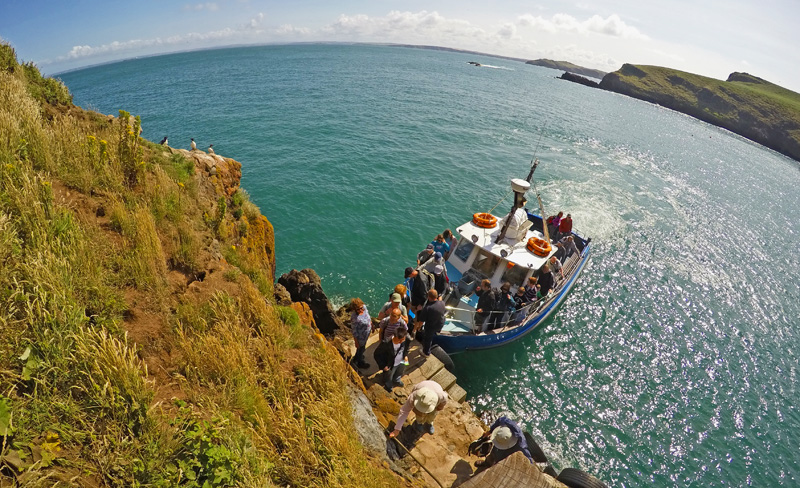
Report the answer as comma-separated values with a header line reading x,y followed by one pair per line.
x,y
211,149
194,146
164,141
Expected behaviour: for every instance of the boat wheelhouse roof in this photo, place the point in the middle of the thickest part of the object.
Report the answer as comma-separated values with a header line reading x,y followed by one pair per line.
x,y
515,250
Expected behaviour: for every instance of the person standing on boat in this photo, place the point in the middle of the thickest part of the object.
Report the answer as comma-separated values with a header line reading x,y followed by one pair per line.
x,y
545,282
361,326
507,438
451,241
426,400
486,303
531,290
560,253
439,280
555,266
440,246
569,246
565,227
391,323
503,305
431,317
552,225
519,298
392,357
425,255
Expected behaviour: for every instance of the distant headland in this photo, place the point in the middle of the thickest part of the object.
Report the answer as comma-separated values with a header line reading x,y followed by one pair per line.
x,y
745,104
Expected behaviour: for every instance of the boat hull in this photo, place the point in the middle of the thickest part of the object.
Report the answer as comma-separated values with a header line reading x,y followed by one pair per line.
x,y
454,344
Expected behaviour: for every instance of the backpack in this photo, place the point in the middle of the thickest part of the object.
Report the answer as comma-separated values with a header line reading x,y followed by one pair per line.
x,y
426,279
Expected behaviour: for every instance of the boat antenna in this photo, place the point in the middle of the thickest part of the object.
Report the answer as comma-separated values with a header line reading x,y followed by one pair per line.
x,y
534,161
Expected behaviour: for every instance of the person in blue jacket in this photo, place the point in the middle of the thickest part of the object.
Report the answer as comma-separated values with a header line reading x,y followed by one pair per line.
x,y
507,438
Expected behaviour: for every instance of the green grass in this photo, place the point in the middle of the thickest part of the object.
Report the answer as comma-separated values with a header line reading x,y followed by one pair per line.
x,y
754,108
93,223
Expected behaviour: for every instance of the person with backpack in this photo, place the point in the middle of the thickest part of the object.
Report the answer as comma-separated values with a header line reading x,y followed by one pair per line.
x,y
424,280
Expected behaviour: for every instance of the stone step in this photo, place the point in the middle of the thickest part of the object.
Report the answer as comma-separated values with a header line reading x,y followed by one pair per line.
x,y
444,378
456,393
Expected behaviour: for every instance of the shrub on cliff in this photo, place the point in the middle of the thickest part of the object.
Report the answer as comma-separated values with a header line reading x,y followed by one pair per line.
x,y
130,353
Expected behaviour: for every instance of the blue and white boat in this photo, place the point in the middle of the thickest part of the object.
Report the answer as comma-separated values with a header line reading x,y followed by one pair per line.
x,y
504,249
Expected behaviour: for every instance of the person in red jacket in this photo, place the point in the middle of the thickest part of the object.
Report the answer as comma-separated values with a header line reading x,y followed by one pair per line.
x,y
565,226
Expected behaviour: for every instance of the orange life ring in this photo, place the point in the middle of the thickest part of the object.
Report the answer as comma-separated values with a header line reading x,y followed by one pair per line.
x,y
485,220
539,247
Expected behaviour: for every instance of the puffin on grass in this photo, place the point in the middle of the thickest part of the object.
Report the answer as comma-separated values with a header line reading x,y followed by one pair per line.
x,y
194,146
164,141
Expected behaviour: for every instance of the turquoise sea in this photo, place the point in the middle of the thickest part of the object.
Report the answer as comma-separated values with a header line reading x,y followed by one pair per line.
x,y
674,362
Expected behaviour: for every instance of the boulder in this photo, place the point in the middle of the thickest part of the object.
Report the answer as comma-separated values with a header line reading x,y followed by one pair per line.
x,y
305,286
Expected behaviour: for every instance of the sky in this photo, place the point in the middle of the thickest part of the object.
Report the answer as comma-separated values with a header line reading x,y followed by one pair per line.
x,y
708,37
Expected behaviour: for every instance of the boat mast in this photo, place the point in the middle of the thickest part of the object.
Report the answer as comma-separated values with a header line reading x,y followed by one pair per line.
x,y
529,179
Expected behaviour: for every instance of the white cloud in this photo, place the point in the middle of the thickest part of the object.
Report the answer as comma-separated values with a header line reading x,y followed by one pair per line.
x,y
210,6
249,28
612,25
288,29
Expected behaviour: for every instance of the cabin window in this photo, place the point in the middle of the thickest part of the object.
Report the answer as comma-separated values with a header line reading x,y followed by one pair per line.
x,y
485,263
515,275
464,249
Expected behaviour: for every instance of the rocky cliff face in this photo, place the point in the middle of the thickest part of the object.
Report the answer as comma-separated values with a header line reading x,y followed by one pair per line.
x,y
742,104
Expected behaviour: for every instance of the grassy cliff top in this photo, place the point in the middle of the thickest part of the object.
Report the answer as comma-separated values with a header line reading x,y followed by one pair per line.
x,y
140,344
746,90
745,104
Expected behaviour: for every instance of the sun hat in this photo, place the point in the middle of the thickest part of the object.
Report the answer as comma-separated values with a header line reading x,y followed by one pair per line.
x,y
438,269
503,439
396,298
425,400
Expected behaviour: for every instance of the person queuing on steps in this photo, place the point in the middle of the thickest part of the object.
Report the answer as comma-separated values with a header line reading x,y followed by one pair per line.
x,y
555,266
392,357
545,282
422,281
391,323
507,438
504,303
552,225
565,227
440,246
439,280
409,278
426,400
405,300
451,241
569,246
486,302
361,326
425,255
431,318
531,289
395,301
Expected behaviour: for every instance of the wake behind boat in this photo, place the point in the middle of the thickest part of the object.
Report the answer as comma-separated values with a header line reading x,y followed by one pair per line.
x,y
508,249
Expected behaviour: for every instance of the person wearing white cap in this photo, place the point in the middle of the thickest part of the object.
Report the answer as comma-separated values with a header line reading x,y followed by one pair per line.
x,y
426,400
507,438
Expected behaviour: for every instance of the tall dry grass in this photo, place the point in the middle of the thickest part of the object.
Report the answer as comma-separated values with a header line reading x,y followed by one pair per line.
x,y
264,402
